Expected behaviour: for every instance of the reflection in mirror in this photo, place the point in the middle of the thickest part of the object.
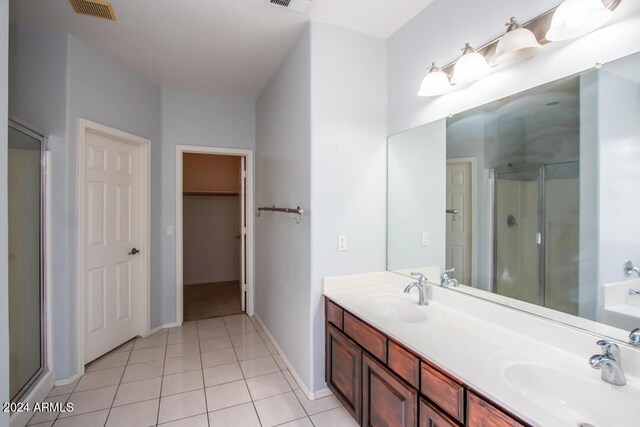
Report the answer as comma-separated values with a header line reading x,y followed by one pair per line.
x,y
534,198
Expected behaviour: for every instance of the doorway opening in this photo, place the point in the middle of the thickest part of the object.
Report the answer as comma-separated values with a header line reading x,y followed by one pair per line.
x,y
213,198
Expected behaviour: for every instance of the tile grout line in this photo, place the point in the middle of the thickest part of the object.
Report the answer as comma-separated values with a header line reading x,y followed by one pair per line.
x,y
253,403
76,386
204,384
119,383
164,363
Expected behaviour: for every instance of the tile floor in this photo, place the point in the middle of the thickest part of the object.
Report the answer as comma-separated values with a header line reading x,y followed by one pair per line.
x,y
216,372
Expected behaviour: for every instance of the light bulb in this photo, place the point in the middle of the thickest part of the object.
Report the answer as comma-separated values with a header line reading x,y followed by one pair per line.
x,y
574,18
435,83
470,67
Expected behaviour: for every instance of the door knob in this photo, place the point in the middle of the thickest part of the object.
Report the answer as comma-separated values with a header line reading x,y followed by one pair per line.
x,y
133,251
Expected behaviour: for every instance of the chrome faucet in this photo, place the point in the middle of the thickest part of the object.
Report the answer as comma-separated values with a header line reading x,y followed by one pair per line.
x,y
421,284
634,337
609,363
447,280
630,268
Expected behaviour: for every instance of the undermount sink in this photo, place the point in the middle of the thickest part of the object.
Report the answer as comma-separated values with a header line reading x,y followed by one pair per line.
x,y
397,308
574,395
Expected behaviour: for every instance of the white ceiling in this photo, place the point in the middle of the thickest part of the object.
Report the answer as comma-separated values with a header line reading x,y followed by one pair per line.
x,y
226,47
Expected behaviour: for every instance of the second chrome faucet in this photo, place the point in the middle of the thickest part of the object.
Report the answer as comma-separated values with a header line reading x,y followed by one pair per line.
x,y
609,363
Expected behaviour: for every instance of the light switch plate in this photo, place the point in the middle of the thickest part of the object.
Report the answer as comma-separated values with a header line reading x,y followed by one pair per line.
x,y
342,242
425,238
170,230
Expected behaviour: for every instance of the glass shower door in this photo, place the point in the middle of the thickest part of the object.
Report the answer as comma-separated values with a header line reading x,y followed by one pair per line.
x,y
562,236
517,239
25,259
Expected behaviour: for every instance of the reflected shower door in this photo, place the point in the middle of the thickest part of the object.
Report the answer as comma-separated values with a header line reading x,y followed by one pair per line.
x,y
517,257
562,236
25,259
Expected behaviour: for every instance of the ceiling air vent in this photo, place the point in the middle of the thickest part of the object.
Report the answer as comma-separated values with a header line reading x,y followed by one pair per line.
x,y
295,5
98,8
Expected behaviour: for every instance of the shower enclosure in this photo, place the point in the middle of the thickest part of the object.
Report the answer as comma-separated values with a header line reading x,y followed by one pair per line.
x,y
26,259
536,234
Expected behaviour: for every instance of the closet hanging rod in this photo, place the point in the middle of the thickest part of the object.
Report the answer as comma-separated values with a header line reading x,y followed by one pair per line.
x,y
297,211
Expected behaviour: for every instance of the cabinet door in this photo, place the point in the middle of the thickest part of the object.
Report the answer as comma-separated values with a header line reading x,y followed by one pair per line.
x,y
431,417
344,370
386,400
483,414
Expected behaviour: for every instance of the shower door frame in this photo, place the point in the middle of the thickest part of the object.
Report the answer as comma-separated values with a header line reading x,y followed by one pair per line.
x,y
542,208
44,312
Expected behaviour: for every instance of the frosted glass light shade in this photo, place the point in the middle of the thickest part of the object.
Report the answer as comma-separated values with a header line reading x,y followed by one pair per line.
x,y
435,83
574,18
517,44
470,67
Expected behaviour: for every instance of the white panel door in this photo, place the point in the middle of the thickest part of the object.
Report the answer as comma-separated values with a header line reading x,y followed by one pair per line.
x,y
111,186
459,237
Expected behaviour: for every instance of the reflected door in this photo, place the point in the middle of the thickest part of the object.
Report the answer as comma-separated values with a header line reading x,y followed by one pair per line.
x,y
26,295
459,213
517,262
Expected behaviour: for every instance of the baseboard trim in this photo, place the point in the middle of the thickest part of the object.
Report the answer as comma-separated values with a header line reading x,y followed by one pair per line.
x,y
310,395
37,394
163,326
66,381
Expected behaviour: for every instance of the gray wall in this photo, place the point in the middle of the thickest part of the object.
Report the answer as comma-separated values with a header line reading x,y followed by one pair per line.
x,y
55,79
283,248
348,163
4,237
192,119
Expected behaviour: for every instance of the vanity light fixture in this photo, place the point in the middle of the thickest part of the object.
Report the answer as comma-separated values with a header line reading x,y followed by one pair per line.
x,y
470,67
435,83
574,18
517,44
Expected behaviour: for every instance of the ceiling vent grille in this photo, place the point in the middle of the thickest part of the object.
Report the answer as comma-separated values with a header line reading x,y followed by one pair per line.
x,y
295,5
98,8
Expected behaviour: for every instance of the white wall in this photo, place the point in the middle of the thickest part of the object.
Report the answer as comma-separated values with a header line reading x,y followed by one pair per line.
x,y
4,236
417,198
283,165
193,119
619,176
348,163
211,250
438,32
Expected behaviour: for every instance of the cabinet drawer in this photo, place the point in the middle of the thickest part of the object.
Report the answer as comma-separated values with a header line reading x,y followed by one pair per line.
x,y
404,364
483,414
334,314
444,391
368,338
431,417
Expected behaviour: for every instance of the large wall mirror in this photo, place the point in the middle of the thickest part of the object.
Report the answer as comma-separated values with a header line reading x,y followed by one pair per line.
x,y
533,199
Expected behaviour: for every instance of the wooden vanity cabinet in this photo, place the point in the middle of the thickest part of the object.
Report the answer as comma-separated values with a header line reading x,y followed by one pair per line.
x,y
386,400
344,370
382,384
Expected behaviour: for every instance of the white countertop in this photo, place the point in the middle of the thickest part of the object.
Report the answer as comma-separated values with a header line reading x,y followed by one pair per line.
x,y
470,347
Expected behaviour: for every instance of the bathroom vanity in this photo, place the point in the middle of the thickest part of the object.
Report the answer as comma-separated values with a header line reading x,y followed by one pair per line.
x,y
462,361
380,382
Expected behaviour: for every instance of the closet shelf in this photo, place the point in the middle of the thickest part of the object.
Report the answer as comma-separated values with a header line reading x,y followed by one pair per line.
x,y
211,193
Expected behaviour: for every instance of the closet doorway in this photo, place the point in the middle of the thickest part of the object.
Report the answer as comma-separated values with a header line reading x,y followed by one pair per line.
x,y
213,199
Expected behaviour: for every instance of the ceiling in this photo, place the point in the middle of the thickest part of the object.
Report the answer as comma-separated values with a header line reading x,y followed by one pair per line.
x,y
225,47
